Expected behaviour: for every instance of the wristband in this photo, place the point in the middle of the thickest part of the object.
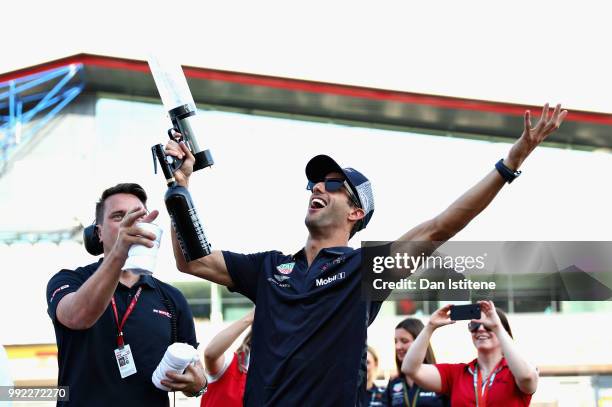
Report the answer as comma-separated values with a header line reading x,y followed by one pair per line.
x,y
201,391
507,174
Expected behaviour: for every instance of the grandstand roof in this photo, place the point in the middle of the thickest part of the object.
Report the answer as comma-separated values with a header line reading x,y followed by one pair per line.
x,y
331,102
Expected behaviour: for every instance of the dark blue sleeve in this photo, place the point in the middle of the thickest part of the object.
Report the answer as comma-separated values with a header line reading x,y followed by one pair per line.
x,y
61,284
245,271
386,400
185,330
374,309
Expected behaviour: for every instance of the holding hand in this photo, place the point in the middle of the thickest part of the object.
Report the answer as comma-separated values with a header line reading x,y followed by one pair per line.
x,y
488,316
189,382
441,317
130,234
182,152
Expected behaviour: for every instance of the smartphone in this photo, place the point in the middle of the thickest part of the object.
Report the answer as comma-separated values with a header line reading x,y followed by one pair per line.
x,y
463,312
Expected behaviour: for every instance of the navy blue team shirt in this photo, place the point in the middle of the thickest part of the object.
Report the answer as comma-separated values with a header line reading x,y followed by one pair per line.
x,y
400,394
86,358
310,327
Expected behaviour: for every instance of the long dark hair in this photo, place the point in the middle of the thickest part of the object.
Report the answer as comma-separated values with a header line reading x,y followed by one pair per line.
x,y
504,320
414,327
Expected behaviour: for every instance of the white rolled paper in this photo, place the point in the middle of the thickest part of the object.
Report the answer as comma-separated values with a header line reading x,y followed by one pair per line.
x,y
176,359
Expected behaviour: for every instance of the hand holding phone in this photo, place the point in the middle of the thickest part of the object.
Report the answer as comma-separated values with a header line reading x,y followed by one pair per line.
x,y
441,317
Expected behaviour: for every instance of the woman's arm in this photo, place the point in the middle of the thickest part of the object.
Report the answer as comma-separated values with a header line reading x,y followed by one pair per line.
x,y
214,353
525,375
424,375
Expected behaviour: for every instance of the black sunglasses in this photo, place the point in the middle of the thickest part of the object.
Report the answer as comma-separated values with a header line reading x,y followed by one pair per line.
x,y
333,185
474,326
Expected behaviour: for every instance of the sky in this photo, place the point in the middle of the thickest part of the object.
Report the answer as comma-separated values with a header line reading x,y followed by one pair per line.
x,y
520,51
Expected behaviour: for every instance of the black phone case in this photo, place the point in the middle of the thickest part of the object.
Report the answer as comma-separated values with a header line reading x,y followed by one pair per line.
x,y
465,312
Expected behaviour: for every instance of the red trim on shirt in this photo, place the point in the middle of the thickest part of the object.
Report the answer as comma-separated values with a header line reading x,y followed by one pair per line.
x,y
228,390
301,85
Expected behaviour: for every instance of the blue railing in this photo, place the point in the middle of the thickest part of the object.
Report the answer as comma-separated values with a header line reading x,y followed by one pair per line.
x,y
23,111
32,237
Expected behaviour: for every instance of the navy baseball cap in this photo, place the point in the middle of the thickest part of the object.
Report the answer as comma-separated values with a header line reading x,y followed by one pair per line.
x,y
321,165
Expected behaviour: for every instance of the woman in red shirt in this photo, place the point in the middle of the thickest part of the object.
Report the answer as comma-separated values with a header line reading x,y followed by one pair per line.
x,y
227,373
499,376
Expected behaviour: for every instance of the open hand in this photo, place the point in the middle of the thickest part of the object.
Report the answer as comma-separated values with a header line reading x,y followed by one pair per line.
x,y
533,136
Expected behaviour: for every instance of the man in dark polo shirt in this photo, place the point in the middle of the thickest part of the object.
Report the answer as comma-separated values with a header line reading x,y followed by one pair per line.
x,y
100,366
309,331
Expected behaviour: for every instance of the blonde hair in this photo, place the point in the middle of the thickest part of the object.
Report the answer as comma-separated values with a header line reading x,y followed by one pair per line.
x,y
373,353
244,351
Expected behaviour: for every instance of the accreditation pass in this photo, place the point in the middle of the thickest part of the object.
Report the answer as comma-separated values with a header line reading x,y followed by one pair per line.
x,y
125,361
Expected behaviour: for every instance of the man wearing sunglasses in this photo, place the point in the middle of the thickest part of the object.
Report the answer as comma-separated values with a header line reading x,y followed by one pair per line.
x,y
309,330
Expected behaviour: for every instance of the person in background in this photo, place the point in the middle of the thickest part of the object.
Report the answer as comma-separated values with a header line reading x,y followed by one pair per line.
x,y
499,376
402,391
113,326
227,373
374,393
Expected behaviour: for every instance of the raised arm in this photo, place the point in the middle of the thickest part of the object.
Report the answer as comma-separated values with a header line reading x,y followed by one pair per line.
x,y
424,375
525,375
476,199
214,353
211,267
82,308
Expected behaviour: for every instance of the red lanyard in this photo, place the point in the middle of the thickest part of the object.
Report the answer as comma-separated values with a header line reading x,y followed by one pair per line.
x,y
482,398
480,393
125,317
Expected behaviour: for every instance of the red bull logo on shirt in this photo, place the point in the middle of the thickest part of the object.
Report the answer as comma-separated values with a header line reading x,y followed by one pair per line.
x,y
164,313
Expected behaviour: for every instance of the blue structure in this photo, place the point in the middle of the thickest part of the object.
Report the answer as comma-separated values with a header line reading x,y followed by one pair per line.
x,y
32,237
30,102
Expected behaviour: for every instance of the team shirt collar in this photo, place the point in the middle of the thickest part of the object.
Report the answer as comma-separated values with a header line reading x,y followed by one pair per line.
x,y
145,279
470,367
336,251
